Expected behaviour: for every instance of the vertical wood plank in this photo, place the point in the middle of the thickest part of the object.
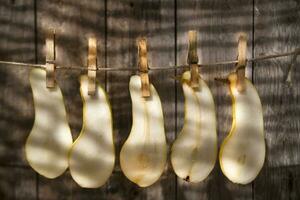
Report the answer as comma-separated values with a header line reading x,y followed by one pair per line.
x,y
277,30
64,187
218,24
58,188
74,22
126,21
17,183
16,44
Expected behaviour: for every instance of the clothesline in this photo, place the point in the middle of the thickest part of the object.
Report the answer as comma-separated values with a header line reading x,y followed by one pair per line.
x,y
101,68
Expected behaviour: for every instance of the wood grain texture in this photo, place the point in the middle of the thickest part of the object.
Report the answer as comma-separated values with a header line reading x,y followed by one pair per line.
x,y
277,30
17,183
219,24
16,43
126,21
65,188
58,188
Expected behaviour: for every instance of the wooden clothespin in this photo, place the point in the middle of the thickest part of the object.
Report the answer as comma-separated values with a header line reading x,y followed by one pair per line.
x,y
92,65
242,62
50,59
193,59
143,66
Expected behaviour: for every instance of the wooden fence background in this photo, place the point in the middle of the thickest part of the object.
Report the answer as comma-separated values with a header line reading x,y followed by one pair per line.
x,y
273,26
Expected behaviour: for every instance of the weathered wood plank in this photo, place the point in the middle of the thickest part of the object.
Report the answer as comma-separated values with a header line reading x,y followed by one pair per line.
x,y
277,30
126,21
16,44
17,183
74,22
64,187
218,24
16,111
58,188
79,193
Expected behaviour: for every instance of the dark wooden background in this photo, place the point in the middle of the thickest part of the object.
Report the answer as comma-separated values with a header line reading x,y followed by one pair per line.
x,y
273,26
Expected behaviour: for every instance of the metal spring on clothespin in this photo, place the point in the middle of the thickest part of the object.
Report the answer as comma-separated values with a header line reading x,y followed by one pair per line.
x,y
143,66
92,65
192,59
242,62
50,59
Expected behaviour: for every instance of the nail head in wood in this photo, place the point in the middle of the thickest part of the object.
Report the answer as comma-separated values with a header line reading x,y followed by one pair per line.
x,y
242,62
50,59
92,65
143,66
193,59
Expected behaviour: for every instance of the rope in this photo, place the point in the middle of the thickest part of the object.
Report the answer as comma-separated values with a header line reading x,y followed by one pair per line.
x,y
100,68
